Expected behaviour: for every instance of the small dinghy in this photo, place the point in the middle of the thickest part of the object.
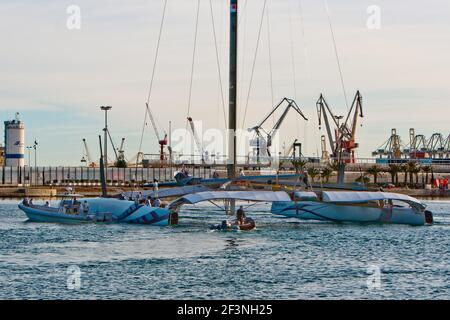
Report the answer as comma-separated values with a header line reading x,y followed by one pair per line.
x,y
248,224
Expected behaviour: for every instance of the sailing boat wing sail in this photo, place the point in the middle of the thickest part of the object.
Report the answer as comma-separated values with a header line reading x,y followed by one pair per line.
x,y
256,196
355,197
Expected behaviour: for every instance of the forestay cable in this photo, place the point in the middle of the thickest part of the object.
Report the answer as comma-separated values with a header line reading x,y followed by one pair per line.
x,y
218,62
153,74
337,54
254,62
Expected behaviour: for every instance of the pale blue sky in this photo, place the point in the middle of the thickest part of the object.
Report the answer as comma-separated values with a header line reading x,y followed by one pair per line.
x,y
57,78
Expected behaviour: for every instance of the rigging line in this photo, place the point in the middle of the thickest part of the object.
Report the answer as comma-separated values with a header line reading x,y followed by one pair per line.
x,y
153,73
305,42
218,63
193,58
294,73
336,53
243,11
241,54
254,62
270,62
194,51
308,70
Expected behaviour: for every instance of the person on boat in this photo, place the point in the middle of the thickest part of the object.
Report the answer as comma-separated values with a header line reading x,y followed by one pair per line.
x,y
240,215
85,207
156,203
26,202
47,204
241,173
76,205
215,175
155,187
30,203
184,171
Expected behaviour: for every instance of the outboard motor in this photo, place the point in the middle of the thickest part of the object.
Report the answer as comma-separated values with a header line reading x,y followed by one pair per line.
x,y
173,218
428,217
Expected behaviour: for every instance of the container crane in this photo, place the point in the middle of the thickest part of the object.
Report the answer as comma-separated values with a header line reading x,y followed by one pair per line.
x,y
259,130
162,142
87,159
343,139
391,148
196,138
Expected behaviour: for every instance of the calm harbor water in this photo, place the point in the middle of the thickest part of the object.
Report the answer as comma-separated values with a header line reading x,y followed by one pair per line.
x,y
282,259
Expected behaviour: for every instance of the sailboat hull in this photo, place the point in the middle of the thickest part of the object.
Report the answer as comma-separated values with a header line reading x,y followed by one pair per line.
x,y
312,210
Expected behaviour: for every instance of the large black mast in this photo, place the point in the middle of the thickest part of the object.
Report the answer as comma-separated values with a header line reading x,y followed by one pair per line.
x,y
231,166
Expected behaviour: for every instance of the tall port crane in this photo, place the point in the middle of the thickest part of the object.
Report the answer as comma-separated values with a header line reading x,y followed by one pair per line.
x,y
196,138
259,130
342,137
162,142
87,156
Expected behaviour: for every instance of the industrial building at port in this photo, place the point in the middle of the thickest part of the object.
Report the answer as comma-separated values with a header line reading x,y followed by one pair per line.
x,y
12,153
434,151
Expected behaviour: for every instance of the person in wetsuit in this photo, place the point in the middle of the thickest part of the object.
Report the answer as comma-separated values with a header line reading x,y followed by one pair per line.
x,y
240,215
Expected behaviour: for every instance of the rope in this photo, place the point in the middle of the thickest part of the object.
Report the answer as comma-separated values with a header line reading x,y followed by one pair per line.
x,y
153,74
192,69
193,58
218,63
294,73
337,54
308,73
254,62
270,62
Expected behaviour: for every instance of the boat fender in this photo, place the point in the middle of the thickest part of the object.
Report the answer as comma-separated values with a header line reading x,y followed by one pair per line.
x,y
428,217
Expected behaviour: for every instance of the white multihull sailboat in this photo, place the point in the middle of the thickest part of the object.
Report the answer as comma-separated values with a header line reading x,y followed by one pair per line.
x,y
359,207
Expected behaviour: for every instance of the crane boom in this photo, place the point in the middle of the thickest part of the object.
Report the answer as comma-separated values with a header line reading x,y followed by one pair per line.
x,y
152,120
343,143
90,162
290,104
196,137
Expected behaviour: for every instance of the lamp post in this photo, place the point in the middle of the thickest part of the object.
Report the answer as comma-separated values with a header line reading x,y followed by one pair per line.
x,y
105,129
35,162
29,155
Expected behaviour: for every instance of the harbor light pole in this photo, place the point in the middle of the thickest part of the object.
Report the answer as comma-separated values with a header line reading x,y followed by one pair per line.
x,y
29,155
35,162
105,130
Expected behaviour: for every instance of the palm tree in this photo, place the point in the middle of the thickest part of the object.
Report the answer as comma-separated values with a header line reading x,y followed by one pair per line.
x,y
404,169
394,169
426,169
375,172
326,174
299,165
412,169
416,172
313,173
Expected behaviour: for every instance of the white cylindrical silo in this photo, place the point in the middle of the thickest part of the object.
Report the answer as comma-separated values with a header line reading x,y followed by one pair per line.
x,y
14,143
